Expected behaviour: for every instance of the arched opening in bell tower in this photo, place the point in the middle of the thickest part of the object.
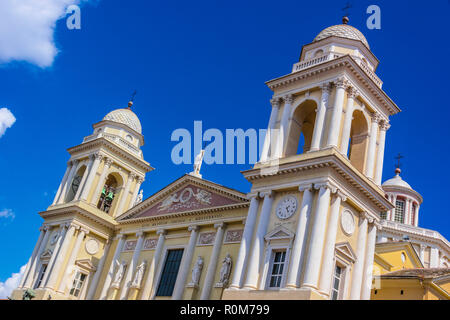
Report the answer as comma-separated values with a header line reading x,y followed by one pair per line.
x,y
75,184
359,139
109,193
301,128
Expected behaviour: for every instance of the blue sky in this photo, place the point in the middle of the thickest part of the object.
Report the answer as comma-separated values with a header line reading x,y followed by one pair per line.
x,y
205,60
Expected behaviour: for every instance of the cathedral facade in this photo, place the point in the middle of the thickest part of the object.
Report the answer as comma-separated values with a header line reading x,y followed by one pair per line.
x,y
317,223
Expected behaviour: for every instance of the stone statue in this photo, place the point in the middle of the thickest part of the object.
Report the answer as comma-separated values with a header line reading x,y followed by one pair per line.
x,y
139,275
197,271
168,202
119,273
139,197
198,163
225,270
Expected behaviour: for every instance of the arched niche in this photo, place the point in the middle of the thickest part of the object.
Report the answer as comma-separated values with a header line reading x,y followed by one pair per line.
x,y
75,184
301,128
110,193
359,140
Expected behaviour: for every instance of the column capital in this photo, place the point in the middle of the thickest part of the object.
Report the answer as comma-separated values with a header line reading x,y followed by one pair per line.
x,y
161,232
275,102
352,92
366,216
326,87
44,227
341,195
97,155
140,234
341,83
384,125
139,179
325,185
220,225
304,187
108,162
132,176
193,227
378,226
288,98
85,230
376,117
252,195
268,194
423,247
120,236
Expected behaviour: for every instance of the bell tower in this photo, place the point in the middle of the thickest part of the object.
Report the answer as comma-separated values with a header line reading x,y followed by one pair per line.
x,y
101,182
316,194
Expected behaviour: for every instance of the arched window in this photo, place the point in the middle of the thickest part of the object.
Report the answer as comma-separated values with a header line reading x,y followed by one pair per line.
x,y
399,210
301,128
75,184
108,194
359,138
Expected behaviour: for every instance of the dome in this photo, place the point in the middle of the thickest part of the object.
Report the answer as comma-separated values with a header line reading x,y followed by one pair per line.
x,y
396,181
126,117
343,31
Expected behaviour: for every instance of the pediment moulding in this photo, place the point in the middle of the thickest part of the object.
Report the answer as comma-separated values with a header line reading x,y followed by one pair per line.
x,y
345,63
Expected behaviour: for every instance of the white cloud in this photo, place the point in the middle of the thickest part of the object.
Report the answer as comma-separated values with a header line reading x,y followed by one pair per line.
x,y
7,213
27,28
11,283
7,119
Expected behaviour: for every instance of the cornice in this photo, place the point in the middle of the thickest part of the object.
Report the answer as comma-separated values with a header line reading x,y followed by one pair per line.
x,y
115,149
344,62
402,190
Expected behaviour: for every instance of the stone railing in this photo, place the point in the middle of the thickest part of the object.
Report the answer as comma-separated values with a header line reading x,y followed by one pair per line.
x,y
116,139
302,65
415,230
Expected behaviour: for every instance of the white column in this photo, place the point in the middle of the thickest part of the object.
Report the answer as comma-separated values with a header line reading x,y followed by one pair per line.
x,y
407,218
270,133
368,263
61,257
284,125
416,220
31,274
358,267
185,264
317,237
372,145
298,248
110,274
62,234
326,274
84,178
422,253
125,194
65,282
394,202
139,181
92,172
43,230
380,152
244,249
98,272
132,265
63,182
149,282
336,116
211,272
434,257
254,264
101,182
68,182
352,93
320,118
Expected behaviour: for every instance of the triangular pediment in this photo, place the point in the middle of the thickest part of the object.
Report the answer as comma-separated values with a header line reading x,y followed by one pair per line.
x,y
86,264
187,194
46,255
344,249
279,233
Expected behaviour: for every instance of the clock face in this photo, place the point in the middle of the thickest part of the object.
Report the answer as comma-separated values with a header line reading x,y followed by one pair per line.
x,y
286,207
